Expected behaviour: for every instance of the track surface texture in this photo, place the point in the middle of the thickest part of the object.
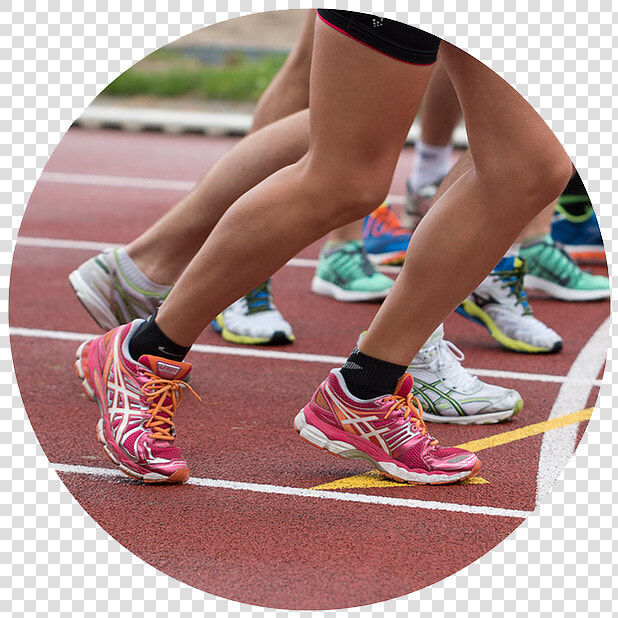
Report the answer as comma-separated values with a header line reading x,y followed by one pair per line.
x,y
267,519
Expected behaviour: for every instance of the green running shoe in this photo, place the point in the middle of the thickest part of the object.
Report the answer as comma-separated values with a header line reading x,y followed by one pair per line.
x,y
553,271
345,273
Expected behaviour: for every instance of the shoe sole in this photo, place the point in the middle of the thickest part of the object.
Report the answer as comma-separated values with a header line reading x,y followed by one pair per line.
x,y
318,439
326,288
476,314
92,303
562,293
277,338
179,476
488,418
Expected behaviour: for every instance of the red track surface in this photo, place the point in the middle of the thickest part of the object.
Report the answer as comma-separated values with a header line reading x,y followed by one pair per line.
x,y
268,549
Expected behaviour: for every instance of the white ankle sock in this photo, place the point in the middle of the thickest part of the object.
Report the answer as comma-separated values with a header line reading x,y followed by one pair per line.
x,y
430,164
135,276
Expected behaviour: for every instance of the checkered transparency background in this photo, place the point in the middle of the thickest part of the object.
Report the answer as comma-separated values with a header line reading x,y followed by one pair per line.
x,y
55,558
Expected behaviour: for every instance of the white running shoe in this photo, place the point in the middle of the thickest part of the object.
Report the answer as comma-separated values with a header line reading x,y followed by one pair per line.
x,y
449,393
500,305
254,320
103,287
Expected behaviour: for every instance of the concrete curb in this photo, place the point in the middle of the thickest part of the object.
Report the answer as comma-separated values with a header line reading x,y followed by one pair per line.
x,y
208,123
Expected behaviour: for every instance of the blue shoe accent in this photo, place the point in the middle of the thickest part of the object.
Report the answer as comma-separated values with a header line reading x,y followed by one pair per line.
x,y
580,235
385,240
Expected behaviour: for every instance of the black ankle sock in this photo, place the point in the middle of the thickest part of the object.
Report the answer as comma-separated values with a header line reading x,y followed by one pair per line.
x,y
367,377
574,198
150,339
576,186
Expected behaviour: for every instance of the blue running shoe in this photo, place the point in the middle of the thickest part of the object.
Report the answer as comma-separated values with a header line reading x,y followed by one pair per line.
x,y
579,234
385,240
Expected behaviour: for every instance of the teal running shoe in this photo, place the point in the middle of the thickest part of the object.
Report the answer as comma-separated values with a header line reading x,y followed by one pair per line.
x,y
345,273
553,271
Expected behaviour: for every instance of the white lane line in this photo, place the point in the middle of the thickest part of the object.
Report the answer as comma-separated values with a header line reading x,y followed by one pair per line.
x,y
118,181
60,335
315,493
89,245
558,446
131,182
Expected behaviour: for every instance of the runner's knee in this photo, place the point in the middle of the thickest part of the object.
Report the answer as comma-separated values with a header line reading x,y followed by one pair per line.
x,y
529,183
350,192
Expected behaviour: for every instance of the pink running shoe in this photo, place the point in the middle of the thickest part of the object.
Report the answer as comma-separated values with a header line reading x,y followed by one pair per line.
x,y
137,401
388,432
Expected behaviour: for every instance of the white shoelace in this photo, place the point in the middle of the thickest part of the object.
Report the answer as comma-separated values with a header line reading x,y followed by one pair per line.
x,y
446,360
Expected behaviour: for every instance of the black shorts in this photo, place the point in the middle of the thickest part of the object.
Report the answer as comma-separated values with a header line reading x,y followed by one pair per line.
x,y
389,37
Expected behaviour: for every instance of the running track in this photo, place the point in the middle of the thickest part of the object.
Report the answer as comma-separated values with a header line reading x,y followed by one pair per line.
x,y
251,524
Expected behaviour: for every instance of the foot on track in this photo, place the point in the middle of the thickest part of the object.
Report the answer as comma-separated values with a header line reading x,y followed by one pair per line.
x,y
388,432
345,273
138,402
580,234
449,393
552,270
385,240
500,305
254,320
112,295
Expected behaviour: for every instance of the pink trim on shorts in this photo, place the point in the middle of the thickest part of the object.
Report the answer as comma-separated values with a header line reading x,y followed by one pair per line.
x,y
416,64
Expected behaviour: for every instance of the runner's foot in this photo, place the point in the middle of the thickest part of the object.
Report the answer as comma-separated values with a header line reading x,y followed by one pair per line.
x,y
388,432
418,202
254,320
345,273
449,393
500,305
385,240
114,291
138,402
553,271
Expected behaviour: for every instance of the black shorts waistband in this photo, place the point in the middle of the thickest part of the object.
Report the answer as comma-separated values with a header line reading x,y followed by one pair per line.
x,y
392,38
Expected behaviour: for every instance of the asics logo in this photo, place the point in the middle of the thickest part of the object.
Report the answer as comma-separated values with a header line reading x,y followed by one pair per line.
x,y
356,423
123,397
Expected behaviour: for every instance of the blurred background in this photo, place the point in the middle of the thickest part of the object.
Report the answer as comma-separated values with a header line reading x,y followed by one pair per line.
x,y
224,67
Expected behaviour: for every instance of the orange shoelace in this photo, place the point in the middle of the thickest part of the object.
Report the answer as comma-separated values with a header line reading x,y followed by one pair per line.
x,y
410,405
156,391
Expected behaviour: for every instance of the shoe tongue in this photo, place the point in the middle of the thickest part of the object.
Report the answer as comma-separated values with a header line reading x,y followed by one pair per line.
x,y
404,386
165,368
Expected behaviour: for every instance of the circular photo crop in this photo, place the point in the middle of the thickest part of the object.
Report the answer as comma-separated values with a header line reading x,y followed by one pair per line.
x,y
302,234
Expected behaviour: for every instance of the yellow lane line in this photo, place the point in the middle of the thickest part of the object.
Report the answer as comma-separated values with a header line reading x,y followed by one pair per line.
x,y
374,479
525,432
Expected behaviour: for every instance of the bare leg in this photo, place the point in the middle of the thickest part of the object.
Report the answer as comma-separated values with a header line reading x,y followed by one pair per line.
x,y
288,93
540,226
346,172
474,220
164,250
441,110
352,231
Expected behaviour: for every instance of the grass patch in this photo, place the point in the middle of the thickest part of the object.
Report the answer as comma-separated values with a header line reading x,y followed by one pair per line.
x,y
167,73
